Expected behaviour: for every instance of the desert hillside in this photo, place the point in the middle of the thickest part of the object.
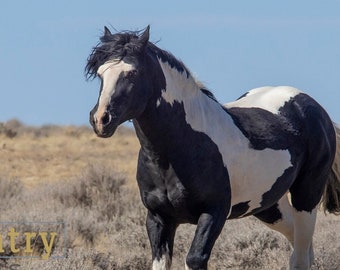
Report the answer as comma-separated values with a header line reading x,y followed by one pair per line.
x,y
87,184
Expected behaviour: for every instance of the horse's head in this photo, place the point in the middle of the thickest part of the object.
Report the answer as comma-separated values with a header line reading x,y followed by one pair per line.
x,y
119,61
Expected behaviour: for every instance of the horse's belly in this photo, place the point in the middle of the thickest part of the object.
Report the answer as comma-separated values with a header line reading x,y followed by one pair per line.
x,y
259,178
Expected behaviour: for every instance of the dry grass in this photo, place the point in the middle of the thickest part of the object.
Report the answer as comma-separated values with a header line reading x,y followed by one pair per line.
x,y
67,174
52,153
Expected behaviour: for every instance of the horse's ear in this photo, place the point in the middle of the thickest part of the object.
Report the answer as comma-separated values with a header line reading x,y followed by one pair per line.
x,y
144,37
107,32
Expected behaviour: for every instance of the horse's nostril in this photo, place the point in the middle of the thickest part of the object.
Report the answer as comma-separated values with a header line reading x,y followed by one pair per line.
x,y
106,118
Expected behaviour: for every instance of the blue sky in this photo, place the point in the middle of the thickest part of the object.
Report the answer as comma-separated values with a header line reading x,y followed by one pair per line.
x,y
232,46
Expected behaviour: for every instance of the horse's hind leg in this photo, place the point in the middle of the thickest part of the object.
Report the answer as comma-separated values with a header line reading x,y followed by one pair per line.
x,y
303,255
306,193
296,226
279,217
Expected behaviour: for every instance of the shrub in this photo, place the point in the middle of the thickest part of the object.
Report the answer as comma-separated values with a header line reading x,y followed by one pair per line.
x,y
11,192
98,190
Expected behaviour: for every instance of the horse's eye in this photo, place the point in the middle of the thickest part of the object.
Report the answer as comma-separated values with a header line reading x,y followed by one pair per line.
x,y
131,74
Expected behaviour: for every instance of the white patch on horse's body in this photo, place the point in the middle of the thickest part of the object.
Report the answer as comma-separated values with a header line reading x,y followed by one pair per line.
x,y
251,172
268,98
174,81
109,73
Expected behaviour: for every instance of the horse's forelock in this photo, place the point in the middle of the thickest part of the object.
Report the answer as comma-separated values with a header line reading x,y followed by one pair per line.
x,y
116,46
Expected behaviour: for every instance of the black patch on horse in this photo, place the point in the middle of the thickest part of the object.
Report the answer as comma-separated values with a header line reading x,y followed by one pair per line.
x,y
278,189
264,129
270,215
239,210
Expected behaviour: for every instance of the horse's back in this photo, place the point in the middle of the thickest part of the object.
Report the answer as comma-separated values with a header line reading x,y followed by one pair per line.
x,y
268,98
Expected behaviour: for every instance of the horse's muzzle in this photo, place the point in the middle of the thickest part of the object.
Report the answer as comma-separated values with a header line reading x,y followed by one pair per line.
x,y
104,125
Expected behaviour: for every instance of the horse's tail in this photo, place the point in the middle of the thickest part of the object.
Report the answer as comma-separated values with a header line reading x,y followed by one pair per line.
x,y
331,196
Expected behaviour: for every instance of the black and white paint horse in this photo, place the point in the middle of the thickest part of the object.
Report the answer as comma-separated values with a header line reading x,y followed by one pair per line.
x,y
270,154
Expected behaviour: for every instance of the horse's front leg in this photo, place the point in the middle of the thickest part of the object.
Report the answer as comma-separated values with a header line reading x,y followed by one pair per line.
x,y
208,229
161,235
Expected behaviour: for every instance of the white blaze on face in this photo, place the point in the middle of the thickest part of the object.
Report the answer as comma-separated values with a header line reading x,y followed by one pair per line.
x,y
251,172
109,73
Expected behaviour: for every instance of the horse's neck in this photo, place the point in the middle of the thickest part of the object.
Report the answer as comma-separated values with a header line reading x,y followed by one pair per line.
x,y
179,109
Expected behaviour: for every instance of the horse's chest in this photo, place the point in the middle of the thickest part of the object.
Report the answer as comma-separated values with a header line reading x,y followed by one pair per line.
x,y
170,200
162,192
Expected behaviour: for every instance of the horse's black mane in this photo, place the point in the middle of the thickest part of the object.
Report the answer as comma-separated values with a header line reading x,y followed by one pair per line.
x,y
126,44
